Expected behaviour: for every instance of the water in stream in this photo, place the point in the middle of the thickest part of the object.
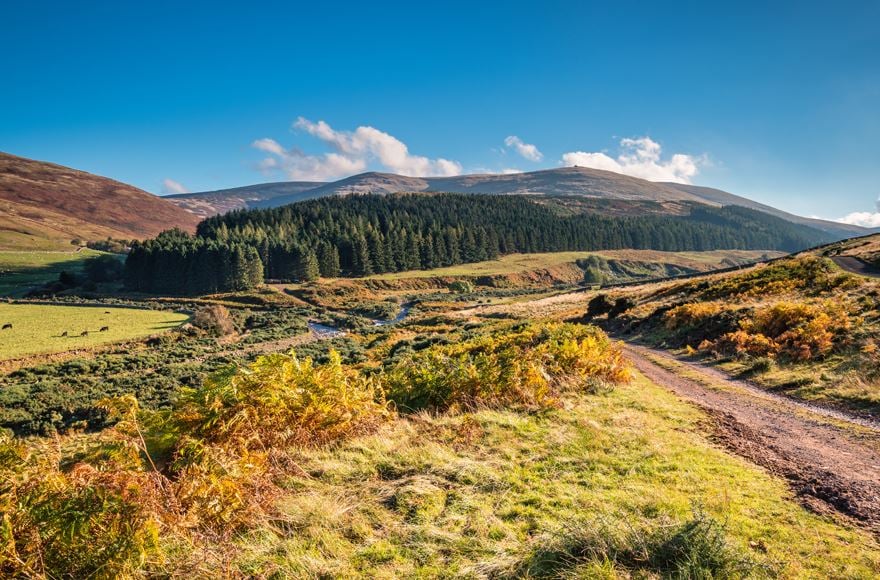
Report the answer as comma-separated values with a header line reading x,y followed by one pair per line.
x,y
323,331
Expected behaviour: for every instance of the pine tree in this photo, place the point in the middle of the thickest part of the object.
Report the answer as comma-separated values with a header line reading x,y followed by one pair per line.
x,y
328,260
255,268
308,266
361,265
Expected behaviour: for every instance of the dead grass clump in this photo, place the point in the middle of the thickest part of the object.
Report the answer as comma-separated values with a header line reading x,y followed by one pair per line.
x,y
695,548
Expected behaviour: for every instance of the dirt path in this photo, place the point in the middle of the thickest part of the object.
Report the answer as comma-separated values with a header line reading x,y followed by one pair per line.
x,y
856,266
831,460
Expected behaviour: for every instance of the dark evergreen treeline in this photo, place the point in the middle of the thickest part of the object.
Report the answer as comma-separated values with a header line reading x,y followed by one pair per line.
x,y
360,235
177,263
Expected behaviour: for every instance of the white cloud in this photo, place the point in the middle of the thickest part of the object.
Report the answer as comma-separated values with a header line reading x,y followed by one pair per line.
x,y
171,186
352,152
640,157
526,150
269,146
863,218
510,171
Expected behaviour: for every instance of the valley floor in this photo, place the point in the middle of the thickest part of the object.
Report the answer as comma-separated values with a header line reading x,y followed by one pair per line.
x,y
680,472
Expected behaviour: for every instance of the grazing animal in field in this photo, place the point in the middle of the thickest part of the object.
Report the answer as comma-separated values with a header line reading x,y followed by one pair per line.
x,y
84,333
64,334
106,312
104,329
7,325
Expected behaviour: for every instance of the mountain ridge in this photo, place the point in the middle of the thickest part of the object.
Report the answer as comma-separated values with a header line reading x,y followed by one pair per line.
x,y
208,203
44,205
587,183
727,198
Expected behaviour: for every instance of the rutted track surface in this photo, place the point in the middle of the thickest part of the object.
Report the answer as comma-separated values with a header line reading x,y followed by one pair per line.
x,y
856,266
831,461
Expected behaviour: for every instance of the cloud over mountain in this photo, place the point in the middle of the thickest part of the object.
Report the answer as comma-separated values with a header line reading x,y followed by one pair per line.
x,y
526,150
640,157
171,186
863,218
351,152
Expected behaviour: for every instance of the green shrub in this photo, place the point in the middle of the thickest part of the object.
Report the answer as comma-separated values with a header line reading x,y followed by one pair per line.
x,y
461,287
103,268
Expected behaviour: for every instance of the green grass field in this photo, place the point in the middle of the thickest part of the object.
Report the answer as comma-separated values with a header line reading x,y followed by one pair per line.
x,y
22,270
37,328
561,494
515,263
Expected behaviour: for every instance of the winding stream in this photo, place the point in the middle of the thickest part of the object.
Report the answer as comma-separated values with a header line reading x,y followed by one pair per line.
x,y
323,331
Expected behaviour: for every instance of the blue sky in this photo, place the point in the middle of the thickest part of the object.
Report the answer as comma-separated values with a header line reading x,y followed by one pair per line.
x,y
778,103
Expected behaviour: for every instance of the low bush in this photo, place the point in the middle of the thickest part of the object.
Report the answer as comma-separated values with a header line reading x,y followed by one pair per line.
x,y
461,287
797,330
81,523
524,367
690,315
621,305
599,305
214,319
280,400
809,274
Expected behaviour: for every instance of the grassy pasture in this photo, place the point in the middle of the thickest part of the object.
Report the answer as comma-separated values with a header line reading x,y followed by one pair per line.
x,y
37,328
516,263
22,270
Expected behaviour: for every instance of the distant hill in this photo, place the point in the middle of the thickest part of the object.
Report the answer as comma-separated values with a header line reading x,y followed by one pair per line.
x,y
577,181
208,203
43,206
600,191
712,195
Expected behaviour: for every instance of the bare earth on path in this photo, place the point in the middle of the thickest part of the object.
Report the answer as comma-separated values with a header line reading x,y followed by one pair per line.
x,y
854,265
831,460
